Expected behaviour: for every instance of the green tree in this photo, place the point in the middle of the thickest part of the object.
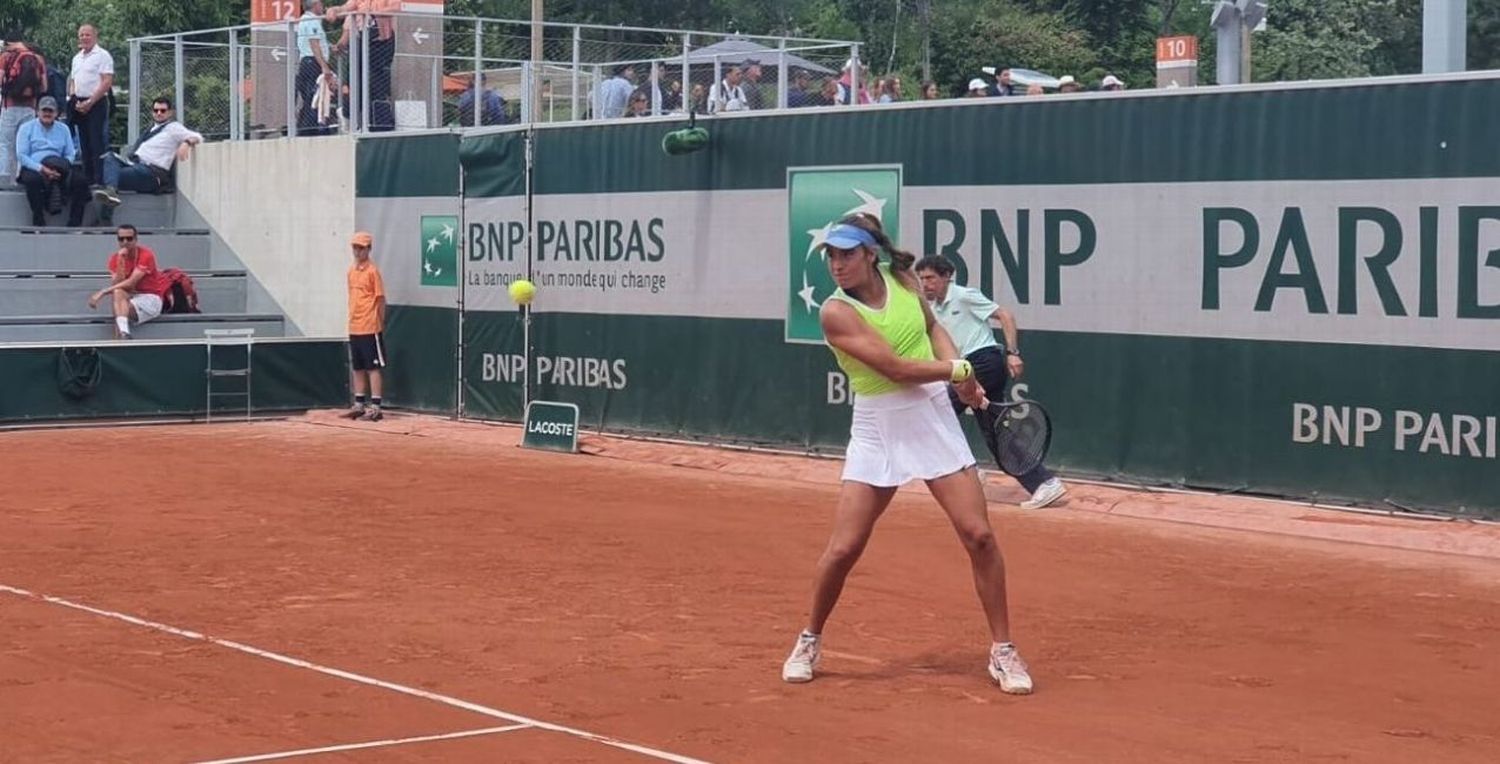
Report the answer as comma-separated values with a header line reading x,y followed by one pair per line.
x,y
1004,34
1484,35
1325,39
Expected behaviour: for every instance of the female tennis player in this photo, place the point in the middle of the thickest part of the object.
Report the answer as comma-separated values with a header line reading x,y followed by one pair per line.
x,y
899,362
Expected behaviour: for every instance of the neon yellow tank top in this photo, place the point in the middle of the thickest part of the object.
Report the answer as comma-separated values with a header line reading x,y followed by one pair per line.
x,y
900,322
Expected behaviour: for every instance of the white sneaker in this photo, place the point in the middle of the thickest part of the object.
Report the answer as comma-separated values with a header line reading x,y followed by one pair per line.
x,y
1046,493
1009,671
804,658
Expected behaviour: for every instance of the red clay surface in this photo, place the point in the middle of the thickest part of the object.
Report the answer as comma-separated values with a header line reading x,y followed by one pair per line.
x,y
654,604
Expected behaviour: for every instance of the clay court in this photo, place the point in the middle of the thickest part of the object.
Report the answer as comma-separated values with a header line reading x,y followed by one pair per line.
x,y
299,589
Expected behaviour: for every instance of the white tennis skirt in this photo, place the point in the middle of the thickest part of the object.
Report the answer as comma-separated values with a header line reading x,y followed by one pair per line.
x,y
907,435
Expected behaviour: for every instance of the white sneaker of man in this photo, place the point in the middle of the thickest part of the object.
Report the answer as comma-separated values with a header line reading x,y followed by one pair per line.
x,y
1046,493
804,658
1009,671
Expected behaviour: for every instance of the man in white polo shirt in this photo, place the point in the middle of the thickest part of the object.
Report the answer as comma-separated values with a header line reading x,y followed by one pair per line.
x,y
965,313
89,85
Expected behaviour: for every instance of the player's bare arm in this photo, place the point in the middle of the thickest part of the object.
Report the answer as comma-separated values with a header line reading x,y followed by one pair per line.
x,y
843,329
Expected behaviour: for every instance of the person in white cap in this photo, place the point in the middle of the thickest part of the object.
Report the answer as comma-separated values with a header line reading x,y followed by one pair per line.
x,y
1111,82
1067,84
978,88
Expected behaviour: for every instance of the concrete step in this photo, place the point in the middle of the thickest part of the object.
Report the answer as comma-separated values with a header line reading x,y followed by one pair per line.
x,y
88,249
44,293
144,210
99,327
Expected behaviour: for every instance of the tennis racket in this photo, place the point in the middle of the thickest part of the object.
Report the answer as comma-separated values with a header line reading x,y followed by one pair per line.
x,y
1021,437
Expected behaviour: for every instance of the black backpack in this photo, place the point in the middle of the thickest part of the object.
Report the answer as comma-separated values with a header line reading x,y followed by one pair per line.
x,y
57,87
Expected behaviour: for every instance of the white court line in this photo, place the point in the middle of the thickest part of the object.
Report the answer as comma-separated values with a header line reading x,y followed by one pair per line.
x,y
360,678
371,744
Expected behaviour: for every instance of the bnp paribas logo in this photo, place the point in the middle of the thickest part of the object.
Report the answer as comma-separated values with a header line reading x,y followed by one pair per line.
x,y
818,197
439,250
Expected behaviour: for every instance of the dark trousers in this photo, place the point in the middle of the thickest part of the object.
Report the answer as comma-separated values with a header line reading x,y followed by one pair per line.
x,y
93,136
75,187
382,109
989,369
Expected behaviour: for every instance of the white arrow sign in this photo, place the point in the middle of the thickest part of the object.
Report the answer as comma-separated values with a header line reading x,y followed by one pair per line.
x,y
278,54
420,36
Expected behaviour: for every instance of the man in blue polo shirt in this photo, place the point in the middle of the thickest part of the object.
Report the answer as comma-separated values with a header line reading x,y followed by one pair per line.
x,y
965,313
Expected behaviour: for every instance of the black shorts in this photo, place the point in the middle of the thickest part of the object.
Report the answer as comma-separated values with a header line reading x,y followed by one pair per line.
x,y
367,351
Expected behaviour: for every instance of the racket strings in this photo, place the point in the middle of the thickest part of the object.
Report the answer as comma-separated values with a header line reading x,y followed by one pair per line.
x,y
1021,439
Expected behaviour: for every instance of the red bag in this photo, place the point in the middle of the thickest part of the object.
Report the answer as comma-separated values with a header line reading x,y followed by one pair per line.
x,y
180,296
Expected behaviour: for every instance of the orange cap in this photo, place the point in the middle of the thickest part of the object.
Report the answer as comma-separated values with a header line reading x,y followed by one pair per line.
x,y
362,239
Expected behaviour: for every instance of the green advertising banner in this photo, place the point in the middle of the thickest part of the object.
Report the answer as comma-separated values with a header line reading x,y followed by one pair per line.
x,y
408,198
1290,308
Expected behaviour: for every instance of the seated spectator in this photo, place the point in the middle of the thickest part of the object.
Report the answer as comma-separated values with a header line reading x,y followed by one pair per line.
x,y
893,88
1068,85
1003,85
930,91
754,99
728,95
136,283
882,93
1035,90
491,105
798,95
844,82
49,158
829,95
978,88
1111,83
669,95
146,167
699,99
672,101
640,105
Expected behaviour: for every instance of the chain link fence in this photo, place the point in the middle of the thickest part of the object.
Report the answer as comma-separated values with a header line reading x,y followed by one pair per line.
x,y
409,71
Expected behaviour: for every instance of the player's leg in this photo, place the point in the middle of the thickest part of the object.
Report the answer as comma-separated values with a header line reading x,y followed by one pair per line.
x,y
124,314
859,506
962,499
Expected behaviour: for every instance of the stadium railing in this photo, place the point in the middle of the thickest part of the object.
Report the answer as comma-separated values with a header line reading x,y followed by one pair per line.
x,y
241,82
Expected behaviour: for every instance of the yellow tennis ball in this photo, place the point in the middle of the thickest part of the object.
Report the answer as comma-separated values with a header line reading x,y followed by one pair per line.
x,y
522,291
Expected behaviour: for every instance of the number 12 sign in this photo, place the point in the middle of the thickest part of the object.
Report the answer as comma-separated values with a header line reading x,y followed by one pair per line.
x,y
268,11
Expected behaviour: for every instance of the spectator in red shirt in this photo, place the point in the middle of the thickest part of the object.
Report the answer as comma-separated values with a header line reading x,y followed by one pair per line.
x,y
135,282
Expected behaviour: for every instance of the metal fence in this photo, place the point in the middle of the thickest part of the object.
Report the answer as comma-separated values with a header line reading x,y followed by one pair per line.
x,y
408,71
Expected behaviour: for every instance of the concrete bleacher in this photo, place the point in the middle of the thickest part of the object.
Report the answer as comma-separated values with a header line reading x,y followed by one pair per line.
x,y
47,274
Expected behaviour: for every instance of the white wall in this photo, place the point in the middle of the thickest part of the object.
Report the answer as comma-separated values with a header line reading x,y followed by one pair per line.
x,y
286,208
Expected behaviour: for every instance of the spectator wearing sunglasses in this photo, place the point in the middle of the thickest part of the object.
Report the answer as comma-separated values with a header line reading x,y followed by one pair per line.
x,y
146,167
136,284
